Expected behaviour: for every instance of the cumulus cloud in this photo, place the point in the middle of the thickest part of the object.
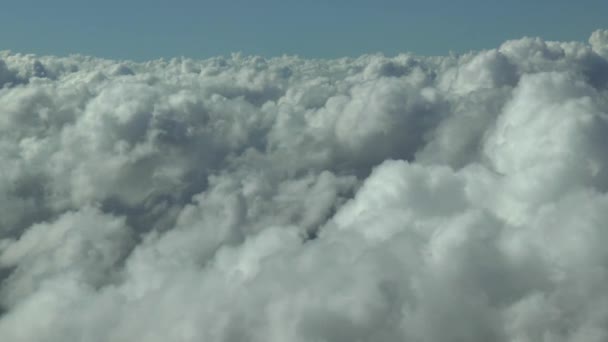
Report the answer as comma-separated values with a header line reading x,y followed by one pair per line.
x,y
458,198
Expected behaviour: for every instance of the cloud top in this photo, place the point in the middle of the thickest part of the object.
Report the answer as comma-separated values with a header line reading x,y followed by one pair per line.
x,y
457,198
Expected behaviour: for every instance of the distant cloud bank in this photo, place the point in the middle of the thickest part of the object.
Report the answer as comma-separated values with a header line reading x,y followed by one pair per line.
x,y
459,198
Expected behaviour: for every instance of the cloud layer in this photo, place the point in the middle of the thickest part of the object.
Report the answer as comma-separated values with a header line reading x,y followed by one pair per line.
x,y
459,198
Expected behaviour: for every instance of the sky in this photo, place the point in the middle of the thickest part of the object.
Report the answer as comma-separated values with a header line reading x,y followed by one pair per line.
x,y
144,30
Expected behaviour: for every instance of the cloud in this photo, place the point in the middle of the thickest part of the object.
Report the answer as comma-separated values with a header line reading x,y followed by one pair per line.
x,y
457,198
599,42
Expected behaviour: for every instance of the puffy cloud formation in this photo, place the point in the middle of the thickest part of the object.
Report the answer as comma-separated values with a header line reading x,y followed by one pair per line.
x,y
459,198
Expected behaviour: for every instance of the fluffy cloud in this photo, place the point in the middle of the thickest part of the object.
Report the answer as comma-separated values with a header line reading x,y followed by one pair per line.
x,y
458,198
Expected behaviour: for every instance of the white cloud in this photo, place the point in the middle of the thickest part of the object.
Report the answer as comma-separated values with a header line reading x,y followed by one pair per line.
x,y
458,198
599,42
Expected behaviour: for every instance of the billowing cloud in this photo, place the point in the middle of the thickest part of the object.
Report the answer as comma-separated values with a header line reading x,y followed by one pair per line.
x,y
459,198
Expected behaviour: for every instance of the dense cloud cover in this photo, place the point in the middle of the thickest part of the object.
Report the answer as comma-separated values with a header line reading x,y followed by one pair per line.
x,y
459,198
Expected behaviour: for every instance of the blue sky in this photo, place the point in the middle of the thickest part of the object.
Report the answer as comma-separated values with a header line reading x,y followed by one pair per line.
x,y
152,29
